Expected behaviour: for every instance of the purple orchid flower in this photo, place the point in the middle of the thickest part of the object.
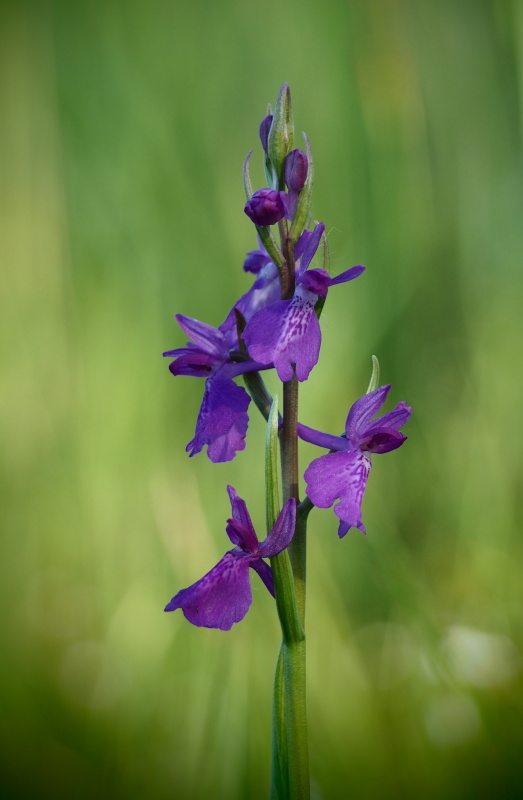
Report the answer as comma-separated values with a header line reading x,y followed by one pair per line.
x,y
343,474
222,420
223,596
288,332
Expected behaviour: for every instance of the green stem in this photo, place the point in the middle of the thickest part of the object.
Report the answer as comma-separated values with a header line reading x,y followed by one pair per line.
x,y
296,719
259,392
280,766
292,750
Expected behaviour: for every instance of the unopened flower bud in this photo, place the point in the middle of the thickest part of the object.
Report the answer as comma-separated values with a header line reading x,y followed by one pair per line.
x,y
281,133
296,168
265,207
264,131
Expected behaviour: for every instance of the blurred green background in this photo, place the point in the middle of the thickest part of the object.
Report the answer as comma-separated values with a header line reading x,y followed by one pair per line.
x,y
123,131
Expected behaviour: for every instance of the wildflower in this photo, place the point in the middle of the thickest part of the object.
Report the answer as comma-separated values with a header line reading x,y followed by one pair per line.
x,y
222,420
343,474
288,332
223,596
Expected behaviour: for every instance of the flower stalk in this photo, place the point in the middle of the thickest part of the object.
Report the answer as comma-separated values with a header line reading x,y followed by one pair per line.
x,y
275,325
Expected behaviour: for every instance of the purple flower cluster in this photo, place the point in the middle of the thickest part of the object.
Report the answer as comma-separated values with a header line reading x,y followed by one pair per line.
x,y
275,325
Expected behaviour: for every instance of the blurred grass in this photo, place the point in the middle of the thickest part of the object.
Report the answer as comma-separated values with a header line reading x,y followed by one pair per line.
x,y
122,135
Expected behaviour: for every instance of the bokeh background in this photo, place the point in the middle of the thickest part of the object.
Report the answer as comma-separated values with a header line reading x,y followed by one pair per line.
x,y
123,131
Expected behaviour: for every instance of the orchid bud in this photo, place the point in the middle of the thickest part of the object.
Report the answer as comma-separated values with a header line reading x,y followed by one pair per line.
x,y
281,133
265,127
265,207
296,168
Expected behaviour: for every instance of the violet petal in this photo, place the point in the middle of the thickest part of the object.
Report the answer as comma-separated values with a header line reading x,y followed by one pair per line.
x,y
243,536
316,281
311,246
197,365
282,531
209,339
222,421
219,599
285,333
363,410
264,291
255,261
394,419
340,475
239,508
348,275
302,243
382,440
264,571
327,440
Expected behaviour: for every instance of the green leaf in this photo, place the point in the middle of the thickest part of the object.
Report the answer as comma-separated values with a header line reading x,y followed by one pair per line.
x,y
280,758
247,185
375,377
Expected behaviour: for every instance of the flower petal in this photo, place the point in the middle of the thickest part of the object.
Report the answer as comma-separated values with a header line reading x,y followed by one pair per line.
x,y
264,291
394,419
286,333
316,281
222,421
243,537
211,340
363,410
196,364
240,529
255,261
301,244
264,571
348,275
311,245
282,531
340,475
219,599
382,440
320,439
239,508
